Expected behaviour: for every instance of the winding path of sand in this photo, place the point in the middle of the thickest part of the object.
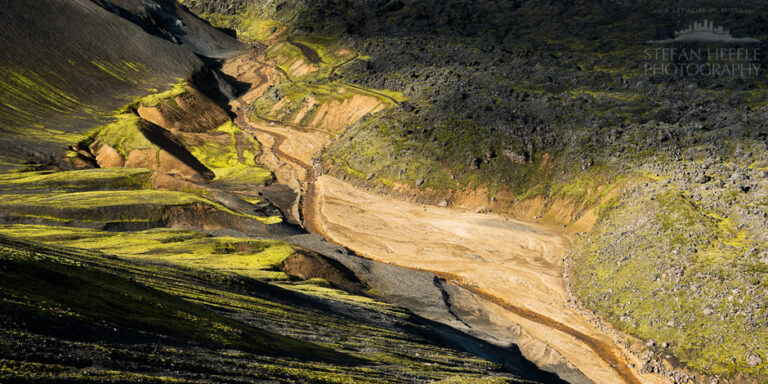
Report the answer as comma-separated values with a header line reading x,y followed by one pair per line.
x,y
513,264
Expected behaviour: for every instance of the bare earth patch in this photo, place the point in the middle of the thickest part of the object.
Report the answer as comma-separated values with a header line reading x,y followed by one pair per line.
x,y
515,263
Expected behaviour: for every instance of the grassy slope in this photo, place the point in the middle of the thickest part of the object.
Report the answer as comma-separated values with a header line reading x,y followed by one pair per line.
x,y
157,323
97,195
254,258
665,266
225,163
85,179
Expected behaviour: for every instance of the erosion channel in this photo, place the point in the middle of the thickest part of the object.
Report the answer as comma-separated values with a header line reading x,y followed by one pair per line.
x,y
490,284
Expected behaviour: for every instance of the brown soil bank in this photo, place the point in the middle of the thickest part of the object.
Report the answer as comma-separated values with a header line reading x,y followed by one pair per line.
x,y
192,112
306,265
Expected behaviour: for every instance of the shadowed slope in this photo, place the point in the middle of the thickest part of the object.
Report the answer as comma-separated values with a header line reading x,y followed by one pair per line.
x,y
71,315
65,64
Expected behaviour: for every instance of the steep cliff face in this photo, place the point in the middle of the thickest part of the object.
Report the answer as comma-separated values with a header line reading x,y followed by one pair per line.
x,y
65,65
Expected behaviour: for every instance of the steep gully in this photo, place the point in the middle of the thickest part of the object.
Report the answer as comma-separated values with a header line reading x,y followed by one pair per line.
x,y
499,262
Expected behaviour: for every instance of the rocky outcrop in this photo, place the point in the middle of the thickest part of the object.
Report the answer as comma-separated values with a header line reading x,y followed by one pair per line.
x,y
305,265
189,112
109,157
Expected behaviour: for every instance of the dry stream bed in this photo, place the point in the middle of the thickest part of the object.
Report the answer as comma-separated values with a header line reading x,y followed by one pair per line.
x,y
510,272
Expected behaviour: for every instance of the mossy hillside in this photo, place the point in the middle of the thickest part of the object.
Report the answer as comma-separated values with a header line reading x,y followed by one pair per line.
x,y
254,258
330,56
324,53
127,71
123,131
290,59
122,134
92,199
252,24
387,154
234,162
383,351
97,206
80,180
541,178
38,282
295,98
249,26
28,96
110,206
156,98
393,149
304,93
37,371
325,47
476,155
666,268
25,92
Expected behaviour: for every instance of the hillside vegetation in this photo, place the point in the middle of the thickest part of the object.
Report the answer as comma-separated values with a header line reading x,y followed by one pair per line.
x,y
71,315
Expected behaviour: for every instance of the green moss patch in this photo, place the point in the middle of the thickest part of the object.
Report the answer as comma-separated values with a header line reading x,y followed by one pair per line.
x,y
664,268
156,98
255,258
123,134
109,178
109,206
250,27
234,162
